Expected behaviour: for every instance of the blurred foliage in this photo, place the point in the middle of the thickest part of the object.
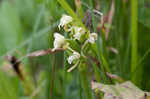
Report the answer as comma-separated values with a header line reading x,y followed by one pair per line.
x,y
28,25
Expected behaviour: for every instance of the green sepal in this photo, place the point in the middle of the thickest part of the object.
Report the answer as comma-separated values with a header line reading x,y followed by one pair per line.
x,y
94,50
84,38
74,45
86,49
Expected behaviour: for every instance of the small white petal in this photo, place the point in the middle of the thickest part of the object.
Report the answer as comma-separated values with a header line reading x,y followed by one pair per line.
x,y
76,55
65,19
70,59
73,57
77,36
91,40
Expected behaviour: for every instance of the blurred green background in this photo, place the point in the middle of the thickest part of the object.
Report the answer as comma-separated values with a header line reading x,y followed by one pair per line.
x,y
28,25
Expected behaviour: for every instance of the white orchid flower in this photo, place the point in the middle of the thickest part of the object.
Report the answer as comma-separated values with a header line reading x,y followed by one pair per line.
x,y
73,57
92,38
59,41
78,32
65,19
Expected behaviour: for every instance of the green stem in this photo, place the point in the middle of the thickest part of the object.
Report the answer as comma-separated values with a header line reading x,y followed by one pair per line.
x,y
104,55
96,71
134,32
101,45
65,72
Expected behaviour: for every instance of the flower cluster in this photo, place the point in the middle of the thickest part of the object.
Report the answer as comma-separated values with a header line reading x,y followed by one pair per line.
x,y
77,36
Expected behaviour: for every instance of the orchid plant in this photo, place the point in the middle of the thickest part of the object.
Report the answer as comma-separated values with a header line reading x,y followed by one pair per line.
x,y
77,41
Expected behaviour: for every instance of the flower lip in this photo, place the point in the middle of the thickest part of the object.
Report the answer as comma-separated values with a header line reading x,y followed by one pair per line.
x,y
92,38
73,57
59,41
79,31
58,36
65,19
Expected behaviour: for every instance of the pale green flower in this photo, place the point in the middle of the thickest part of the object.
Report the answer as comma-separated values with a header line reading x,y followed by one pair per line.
x,y
65,19
92,38
79,31
59,41
73,57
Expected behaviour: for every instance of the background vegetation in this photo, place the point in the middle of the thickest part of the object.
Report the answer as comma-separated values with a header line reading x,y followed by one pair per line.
x,y
28,25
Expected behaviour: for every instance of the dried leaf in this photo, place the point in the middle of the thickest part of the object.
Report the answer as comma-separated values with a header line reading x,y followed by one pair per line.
x,y
110,17
107,20
114,50
126,90
113,76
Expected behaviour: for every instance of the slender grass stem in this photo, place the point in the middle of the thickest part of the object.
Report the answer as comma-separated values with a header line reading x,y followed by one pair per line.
x,y
49,72
101,45
134,33
96,71
141,60
65,73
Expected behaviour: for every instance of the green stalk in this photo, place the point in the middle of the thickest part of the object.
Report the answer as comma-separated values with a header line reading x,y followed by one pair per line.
x,y
65,73
134,33
49,72
101,45
104,55
84,80
96,71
